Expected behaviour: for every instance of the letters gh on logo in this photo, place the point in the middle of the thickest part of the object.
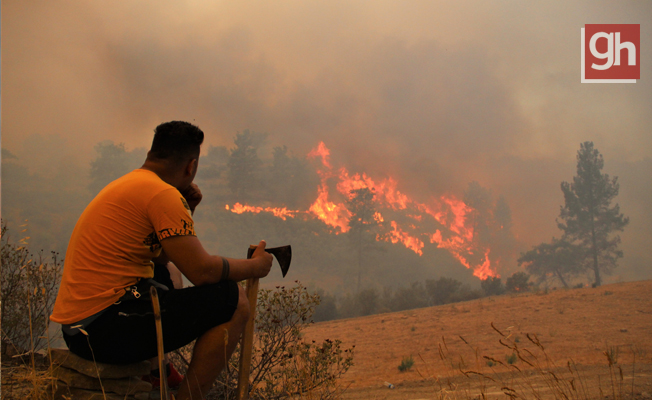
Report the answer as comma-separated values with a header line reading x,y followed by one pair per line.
x,y
609,54
612,54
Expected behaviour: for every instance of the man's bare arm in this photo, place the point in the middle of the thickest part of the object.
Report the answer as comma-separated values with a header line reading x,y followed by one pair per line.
x,y
201,268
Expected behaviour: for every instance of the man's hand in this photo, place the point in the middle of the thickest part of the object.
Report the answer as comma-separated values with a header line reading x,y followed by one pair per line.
x,y
264,259
193,196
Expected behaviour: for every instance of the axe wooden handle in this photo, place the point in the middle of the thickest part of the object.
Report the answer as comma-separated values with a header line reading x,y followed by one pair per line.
x,y
159,343
246,345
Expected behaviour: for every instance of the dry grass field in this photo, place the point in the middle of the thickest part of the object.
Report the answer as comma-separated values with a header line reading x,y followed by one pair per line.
x,y
591,343
575,328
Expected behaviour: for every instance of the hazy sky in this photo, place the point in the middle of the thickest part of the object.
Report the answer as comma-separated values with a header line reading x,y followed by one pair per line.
x,y
433,93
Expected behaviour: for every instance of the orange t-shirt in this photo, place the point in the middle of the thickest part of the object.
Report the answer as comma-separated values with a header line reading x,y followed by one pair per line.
x,y
114,241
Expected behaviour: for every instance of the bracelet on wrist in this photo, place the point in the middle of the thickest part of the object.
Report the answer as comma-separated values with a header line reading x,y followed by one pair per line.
x,y
225,269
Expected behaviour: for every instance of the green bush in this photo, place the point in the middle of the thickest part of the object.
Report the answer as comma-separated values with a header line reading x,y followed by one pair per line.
x,y
466,293
511,359
367,301
406,364
327,308
442,290
407,298
492,286
518,283
348,307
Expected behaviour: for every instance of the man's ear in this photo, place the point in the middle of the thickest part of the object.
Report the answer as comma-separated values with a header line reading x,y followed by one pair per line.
x,y
191,167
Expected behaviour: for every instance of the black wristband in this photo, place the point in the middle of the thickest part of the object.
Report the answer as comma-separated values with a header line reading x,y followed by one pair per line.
x,y
225,269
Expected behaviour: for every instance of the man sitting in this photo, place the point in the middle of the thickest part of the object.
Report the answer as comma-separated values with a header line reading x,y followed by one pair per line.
x,y
141,218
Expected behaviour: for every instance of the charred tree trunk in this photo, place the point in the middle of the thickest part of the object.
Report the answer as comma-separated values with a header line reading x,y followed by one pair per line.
x,y
561,278
596,267
359,260
594,244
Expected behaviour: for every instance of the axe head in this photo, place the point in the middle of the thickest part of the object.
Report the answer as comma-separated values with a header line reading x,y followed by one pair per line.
x,y
283,255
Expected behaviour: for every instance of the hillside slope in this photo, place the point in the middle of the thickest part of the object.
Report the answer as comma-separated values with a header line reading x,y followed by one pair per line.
x,y
577,324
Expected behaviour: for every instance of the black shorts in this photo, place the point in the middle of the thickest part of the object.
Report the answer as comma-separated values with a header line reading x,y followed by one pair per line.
x,y
125,333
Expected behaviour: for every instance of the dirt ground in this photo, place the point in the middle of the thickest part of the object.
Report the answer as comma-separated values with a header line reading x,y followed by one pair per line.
x,y
448,344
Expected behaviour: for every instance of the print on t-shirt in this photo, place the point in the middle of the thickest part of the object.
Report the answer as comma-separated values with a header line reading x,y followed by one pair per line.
x,y
188,229
152,241
185,204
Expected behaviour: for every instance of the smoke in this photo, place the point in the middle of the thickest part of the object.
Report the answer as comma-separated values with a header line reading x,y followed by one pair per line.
x,y
435,95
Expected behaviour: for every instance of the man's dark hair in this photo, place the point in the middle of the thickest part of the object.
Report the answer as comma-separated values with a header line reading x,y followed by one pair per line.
x,y
176,141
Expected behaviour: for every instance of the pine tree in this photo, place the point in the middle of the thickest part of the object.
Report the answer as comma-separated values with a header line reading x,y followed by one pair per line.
x,y
244,165
292,179
362,223
480,200
557,259
588,217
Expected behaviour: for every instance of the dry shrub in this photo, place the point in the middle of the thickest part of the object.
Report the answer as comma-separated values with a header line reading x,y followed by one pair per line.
x,y
26,381
29,288
283,363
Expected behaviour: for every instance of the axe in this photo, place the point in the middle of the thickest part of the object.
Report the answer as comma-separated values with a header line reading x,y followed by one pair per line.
x,y
159,343
283,256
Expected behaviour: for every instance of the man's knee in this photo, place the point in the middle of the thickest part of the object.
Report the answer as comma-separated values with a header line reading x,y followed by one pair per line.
x,y
243,310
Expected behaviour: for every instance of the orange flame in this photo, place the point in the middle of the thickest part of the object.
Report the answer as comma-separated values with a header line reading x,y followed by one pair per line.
x,y
451,213
323,152
484,271
283,213
332,214
397,235
447,211
384,191
457,247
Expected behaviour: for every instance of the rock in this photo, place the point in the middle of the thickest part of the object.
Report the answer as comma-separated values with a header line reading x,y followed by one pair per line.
x,y
65,393
124,386
69,360
141,396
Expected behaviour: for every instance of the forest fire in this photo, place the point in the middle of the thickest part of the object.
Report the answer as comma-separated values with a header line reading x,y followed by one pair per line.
x,y
281,212
398,235
455,233
332,214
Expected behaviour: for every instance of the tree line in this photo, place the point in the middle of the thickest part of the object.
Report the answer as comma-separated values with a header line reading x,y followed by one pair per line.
x,y
418,294
253,172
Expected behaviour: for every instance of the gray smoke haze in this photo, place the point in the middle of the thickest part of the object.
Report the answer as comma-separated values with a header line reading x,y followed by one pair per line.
x,y
434,94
